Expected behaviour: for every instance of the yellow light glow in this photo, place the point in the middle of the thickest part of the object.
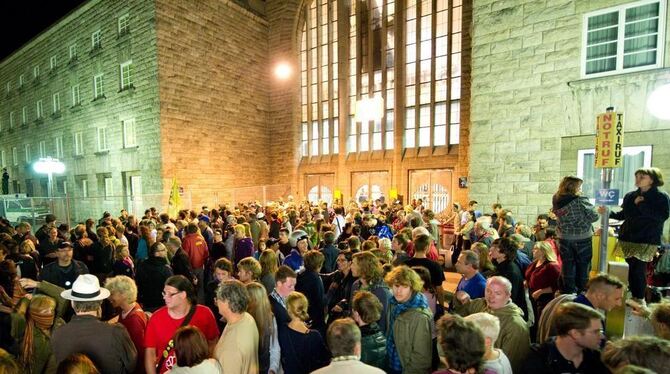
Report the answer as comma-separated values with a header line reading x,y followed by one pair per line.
x,y
283,70
369,109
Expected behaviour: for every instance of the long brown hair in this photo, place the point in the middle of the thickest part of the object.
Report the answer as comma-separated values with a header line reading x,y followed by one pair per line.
x,y
569,185
259,308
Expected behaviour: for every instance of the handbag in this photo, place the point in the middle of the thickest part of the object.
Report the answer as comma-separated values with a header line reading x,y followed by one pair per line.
x,y
170,345
663,264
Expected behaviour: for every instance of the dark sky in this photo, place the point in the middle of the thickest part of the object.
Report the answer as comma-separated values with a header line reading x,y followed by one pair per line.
x,y
21,20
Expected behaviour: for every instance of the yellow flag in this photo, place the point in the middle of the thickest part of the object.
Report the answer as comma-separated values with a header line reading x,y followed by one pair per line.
x,y
174,204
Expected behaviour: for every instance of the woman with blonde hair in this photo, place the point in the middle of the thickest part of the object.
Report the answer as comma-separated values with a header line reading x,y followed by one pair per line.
x,y
542,276
268,342
299,342
409,342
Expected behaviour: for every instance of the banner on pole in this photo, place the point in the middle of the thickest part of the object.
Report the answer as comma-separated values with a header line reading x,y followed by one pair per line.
x,y
609,140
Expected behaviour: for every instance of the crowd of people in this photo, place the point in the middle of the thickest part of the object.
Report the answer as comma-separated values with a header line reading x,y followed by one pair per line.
x,y
299,288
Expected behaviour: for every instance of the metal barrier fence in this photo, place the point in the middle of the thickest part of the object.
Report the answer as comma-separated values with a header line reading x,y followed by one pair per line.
x,y
74,209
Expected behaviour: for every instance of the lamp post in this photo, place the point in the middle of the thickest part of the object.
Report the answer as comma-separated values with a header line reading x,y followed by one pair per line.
x,y
49,166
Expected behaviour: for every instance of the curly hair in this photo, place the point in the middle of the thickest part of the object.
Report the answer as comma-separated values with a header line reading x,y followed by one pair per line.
x,y
404,276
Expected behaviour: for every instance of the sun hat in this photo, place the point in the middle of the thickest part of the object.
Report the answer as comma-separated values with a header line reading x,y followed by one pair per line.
x,y
86,288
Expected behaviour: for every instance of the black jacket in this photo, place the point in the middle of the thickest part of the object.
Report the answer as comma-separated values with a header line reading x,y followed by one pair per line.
x,y
150,277
309,284
373,346
643,223
546,359
510,270
181,265
63,277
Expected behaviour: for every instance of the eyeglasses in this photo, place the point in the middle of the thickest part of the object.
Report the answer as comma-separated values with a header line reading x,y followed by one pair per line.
x,y
170,294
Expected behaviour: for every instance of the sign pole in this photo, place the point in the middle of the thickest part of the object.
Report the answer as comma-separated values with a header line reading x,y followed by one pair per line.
x,y
609,155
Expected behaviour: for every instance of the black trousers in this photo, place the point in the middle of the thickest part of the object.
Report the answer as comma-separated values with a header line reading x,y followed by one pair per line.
x,y
637,277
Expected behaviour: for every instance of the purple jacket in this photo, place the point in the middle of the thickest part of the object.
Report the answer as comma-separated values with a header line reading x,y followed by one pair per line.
x,y
244,248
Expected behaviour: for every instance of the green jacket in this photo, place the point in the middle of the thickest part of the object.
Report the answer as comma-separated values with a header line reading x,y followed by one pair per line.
x,y
413,340
514,338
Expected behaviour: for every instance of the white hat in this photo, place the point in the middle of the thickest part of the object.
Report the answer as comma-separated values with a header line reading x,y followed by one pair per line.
x,y
86,288
260,215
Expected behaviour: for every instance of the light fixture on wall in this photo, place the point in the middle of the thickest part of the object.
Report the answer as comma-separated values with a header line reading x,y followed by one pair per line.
x,y
49,166
283,71
369,109
658,102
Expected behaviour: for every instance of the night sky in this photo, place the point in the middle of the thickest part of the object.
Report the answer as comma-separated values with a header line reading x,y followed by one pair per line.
x,y
23,19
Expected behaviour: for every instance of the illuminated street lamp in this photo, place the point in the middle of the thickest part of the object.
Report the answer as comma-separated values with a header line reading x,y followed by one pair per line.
x,y
659,102
283,71
49,166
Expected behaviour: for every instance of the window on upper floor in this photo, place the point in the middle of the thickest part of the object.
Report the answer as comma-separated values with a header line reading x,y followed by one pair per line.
x,y
11,120
29,156
8,87
58,147
56,102
129,139
24,115
15,156
624,38
3,159
123,24
102,139
98,86
78,143
126,74
36,72
95,39
76,99
39,109
22,80
73,51
43,148
52,62
623,178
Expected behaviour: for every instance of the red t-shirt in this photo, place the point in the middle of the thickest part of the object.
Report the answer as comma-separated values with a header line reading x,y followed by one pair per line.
x,y
162,327
136,324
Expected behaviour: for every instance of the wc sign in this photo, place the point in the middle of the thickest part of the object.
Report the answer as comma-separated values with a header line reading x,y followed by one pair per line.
x,y
606,196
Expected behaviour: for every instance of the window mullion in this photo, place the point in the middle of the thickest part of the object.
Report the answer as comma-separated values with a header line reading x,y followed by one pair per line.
x,y
447,104
319,83
621,27
433,29
308,51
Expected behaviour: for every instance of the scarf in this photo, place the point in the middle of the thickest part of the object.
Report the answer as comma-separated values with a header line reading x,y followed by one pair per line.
x,y
40,319
417,301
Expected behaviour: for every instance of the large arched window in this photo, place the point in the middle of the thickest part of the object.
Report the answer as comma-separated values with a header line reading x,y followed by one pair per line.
x,y
429,64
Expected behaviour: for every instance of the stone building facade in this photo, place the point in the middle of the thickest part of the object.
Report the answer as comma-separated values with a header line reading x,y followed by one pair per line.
x,y
534,110
207,110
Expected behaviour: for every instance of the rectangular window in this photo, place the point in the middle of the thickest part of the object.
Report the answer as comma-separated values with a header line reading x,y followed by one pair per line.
x,y
39,109
73,51
29,156
109,187
304,141
625,38
95,39
52,62
98,88
24,115
36,72
22,80
11,120
123,25
15,156
84,188
43,148
102,139
76,100
58,146
56,102
8,87
129,139
624,177
126,75
79,143
3,159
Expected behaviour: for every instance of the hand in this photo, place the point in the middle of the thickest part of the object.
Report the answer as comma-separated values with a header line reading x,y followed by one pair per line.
x,y
639,199
463,297
536,295
28,283
639,309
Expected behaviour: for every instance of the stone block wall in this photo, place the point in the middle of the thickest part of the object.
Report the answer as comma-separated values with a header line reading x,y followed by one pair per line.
x,y
137,103
213,72
528,96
